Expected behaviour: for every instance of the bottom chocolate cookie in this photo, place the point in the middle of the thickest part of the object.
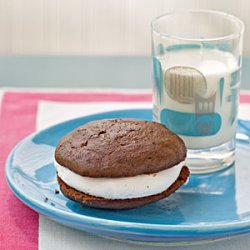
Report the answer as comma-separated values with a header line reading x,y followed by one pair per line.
x,y
99,202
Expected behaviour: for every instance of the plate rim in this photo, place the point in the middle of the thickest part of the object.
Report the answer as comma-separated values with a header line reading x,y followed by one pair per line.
x,y
229,228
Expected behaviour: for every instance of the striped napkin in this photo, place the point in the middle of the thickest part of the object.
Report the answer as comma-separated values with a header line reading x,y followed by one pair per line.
x,y
23,112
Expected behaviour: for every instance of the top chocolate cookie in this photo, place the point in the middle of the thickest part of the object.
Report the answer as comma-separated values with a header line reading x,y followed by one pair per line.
x,y
120,148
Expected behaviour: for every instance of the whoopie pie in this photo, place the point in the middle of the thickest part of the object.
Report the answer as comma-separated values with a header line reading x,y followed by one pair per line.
x,y
120,163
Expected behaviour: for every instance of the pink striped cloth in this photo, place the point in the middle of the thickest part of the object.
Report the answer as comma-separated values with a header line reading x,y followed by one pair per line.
x,y
18,223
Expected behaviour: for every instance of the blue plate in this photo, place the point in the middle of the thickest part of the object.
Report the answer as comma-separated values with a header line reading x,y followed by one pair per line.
x,y
208,208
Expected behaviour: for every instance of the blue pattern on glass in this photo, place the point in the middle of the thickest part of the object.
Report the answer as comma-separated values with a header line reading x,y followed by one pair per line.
x,y
222,47
234,101
161,49
235,76
221,89
158,77
182,46
191,124
239,61
233,98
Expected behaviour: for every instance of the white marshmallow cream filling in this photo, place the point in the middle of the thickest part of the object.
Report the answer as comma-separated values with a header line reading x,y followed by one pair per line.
x,y
121,188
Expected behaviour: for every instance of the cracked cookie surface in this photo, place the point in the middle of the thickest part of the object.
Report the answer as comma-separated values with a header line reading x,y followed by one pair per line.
x,y
120,148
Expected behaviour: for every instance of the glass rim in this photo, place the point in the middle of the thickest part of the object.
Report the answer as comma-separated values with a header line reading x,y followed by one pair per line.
x,y
218,13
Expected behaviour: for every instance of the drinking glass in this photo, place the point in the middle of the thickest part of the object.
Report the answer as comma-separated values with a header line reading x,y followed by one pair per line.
x,y
197,70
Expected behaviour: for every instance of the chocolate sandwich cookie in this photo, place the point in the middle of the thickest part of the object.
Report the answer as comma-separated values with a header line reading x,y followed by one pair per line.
x,y
120,163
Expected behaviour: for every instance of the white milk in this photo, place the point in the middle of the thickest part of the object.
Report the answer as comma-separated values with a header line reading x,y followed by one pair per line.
x,y
214,66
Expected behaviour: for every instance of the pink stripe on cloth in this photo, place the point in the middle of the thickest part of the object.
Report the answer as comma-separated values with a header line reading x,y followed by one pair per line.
x,y
18,223
245,98
82,97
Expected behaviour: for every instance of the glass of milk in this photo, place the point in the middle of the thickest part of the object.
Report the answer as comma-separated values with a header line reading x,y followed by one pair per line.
x,y
196,70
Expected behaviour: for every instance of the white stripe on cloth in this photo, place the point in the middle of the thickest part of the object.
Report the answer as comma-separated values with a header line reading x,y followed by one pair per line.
x,y
1,98
50,113
58,237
